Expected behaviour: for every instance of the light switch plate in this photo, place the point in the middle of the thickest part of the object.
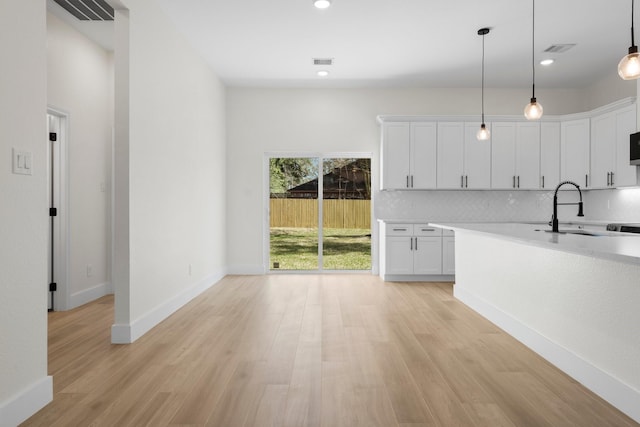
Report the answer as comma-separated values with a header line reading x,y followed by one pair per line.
x,y
22,162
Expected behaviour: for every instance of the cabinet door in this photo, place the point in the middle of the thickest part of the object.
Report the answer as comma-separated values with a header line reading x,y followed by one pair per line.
x,y
396,153
399,255
503,155
603,135
424,155
477,159
450,154
448,255
574,155
528,155
624,173
549,154
427,255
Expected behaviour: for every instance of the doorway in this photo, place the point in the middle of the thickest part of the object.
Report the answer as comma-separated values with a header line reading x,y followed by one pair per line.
x,y
57,255
319,213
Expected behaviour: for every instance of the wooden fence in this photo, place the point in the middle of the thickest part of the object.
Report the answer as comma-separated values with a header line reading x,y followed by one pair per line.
x,y
303,213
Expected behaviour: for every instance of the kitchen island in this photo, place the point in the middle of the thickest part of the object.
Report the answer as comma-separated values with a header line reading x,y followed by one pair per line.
x,y
574,299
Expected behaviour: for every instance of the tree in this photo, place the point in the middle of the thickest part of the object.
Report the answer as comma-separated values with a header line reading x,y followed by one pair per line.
x,y
288,172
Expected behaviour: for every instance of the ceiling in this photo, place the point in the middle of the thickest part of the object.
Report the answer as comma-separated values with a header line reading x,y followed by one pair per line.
x,y
405,43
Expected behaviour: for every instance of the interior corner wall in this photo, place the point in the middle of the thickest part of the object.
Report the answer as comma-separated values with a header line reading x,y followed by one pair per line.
x,y
333,120
608,89
24,384
80,83
176,168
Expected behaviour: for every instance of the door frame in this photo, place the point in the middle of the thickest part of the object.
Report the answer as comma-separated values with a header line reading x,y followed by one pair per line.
x,y
61,190
266,225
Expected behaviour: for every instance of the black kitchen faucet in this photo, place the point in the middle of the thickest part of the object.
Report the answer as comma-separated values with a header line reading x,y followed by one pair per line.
x,y
554,218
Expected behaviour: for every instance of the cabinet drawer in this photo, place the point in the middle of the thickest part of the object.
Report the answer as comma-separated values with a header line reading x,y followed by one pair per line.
x,y
399,229
448,233
426,230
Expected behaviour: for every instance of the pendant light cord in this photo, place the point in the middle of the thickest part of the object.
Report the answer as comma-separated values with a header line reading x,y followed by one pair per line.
x,y
633,43
533,51
483,78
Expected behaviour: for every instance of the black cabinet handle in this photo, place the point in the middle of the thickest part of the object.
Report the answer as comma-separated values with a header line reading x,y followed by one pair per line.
x,y
518,181
612,179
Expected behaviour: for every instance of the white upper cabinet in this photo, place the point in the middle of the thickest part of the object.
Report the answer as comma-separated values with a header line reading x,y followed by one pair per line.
x,y
396,154
515,155
574,152
408,155
463,161
503,155
450,155
528,155
477,159
603,135
424,158
610,149
549,154
625,174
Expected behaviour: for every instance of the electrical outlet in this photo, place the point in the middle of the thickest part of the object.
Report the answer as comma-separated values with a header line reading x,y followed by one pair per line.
x,y
89,270
189,269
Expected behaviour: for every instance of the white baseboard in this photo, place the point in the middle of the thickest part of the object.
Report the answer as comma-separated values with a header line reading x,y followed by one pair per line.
x,y
87,295
28,402
128,333
598,381
418,277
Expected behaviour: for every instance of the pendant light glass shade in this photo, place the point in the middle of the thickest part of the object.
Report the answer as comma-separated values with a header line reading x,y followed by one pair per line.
x,y
533,110
483,133
629,66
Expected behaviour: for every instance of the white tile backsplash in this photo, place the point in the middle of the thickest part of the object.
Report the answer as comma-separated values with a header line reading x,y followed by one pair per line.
x,y
613,205
506,206
465,205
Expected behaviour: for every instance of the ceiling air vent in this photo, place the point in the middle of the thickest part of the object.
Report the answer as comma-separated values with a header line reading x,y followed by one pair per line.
x,y
88,10
559,48
322,61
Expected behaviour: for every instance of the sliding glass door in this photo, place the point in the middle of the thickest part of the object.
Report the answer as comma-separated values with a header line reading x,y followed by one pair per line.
x,y
319,224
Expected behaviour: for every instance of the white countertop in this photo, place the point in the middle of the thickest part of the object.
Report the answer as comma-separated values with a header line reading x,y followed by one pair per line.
x,y
621,247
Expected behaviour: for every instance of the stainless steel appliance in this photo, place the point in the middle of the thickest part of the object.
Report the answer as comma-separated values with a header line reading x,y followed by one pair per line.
x,y
624,228
634,148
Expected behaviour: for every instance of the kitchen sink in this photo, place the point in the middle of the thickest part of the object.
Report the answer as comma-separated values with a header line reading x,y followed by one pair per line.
x,y
575,231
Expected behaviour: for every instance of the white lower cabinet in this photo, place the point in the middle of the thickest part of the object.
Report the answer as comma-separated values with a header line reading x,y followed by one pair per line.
x,y
415,252
448,252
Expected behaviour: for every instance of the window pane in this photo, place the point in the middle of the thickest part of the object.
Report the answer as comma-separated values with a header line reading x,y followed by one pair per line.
x,y
346,214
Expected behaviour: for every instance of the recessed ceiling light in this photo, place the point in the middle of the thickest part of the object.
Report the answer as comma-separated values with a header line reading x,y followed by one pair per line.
x,y
547,62
322,4
323,73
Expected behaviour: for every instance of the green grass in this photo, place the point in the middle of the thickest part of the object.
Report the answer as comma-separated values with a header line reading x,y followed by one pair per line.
x,y
343,249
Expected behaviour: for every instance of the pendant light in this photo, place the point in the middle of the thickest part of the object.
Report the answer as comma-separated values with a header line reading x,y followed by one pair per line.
x,y
483,133
629,66
533,110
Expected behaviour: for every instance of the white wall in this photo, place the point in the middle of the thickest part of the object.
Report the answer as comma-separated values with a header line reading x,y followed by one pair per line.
x,y
80,82
24,384
174,153
263,120
608,89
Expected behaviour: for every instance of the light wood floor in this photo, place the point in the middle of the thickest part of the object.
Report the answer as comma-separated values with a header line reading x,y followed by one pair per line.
x,y
309,350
